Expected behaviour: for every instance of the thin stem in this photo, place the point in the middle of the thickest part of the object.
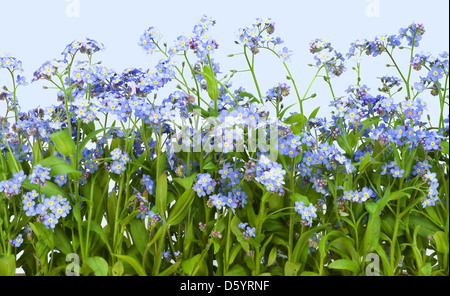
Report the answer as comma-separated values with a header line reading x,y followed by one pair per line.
x,y
252,69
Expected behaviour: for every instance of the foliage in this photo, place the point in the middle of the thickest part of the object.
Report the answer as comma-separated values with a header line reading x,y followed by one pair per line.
x,y
217,180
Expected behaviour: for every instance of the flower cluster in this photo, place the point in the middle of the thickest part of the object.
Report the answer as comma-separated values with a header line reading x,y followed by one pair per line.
x,y
277,93
148,183
229,194
260,34
120,160
270,174
40,175
359,196
200,42
11,63
288,142
248,231
12,186
326,55
47,209
307,212
422,169
205,185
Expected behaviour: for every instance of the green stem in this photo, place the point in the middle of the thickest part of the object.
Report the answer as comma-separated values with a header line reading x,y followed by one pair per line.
x,y
228,242
291,216
394,236
90,213
252,69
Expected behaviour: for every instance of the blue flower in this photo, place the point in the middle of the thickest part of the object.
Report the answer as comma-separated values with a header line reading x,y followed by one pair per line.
x,y
396,172
148,182
242,225
435,73
39,174
205,185
50,220
299,207
250,231
60,179
285,54
231,201
117,167
217,201
17,241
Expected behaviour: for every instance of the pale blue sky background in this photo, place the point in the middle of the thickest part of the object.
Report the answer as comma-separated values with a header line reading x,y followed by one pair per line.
x,y
35,31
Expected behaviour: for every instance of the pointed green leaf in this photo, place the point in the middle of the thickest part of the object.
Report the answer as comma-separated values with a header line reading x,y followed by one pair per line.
x,y
345,264
8,265
181,207
98,265
63,142
59,167
137,267
161,195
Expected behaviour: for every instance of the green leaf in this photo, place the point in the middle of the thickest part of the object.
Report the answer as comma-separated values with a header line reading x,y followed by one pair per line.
x,y
86,140
373,231
37,152
326,241
170,270
13,164
445,148
59,167
291,268
426,269
297,121
8,265
111,205
50,188
371,207
45,235
181,207
310,273
427,228
96,228
136,266
189,264
62,242
98,265
162,159
139,234
128,218
210,166
285,109
345,264
211,83
186,182
118,269
344,246
344,143
299,197
238,270
314,113
161,195
272,256
365,162
441,242
301,248
63,142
